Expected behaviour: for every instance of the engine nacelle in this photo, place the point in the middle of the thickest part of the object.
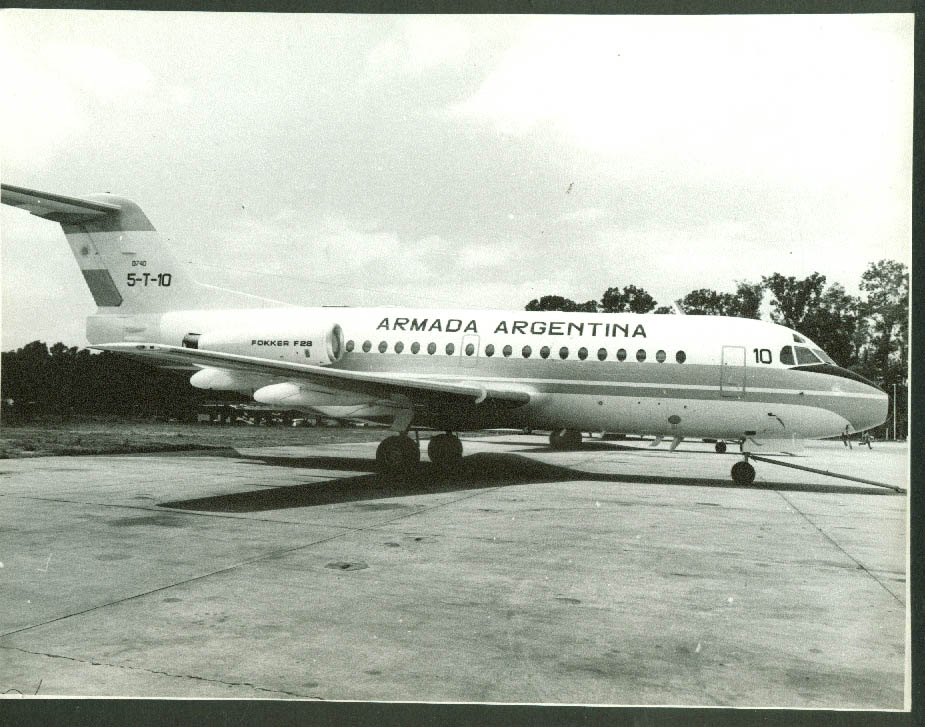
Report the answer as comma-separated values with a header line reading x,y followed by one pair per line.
x,y
224,380
320,345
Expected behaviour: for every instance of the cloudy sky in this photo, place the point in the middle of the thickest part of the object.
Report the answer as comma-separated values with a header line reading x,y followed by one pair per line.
x,y
464,161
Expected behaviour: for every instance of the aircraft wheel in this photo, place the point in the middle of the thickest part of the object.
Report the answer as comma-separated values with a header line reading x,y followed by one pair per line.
x,y
743,473
571,439
720,446
445,451
397,455
555,439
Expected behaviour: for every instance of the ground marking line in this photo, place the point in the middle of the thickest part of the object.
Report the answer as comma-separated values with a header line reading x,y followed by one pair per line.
x,y
154,671
845,552
240,564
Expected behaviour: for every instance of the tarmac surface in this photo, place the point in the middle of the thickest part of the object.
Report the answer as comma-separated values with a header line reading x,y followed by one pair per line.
x,y
617,574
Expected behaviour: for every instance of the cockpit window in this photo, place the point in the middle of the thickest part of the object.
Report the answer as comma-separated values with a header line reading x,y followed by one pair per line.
x,y
798,338
786,356
824,356
805,356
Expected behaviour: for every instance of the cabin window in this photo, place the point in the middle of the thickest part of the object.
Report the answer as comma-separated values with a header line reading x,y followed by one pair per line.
x,y
582,353
399,347
526,351
621,354
431,348
680,357
805,356
383,346
449,349
415,347
563,352
490,349
786,356
506,351
349,346
367,346
544,352
470,349
641,355
602,354
660,356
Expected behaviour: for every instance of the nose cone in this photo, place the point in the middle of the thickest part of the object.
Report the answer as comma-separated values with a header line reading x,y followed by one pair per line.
x,y
871,410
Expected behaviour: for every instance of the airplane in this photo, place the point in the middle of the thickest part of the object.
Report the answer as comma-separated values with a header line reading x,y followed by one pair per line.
x,y
455,370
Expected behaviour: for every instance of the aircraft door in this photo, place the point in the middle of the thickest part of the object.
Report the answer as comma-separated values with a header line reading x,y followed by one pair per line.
x,y
469,351
732,372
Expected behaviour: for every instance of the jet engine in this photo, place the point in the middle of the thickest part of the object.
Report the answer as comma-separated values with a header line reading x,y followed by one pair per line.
x,y
320,345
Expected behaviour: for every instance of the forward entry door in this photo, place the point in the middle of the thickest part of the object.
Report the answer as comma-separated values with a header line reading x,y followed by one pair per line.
x,y
732,372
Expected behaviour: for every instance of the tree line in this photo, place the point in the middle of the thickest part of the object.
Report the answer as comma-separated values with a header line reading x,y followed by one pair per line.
x,y
868,333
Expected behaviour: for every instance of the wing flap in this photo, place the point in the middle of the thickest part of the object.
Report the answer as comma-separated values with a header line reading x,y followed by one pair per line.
x,y
55,207
379,385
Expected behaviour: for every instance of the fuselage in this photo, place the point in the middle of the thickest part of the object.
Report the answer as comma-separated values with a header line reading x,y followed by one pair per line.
x,y
689,376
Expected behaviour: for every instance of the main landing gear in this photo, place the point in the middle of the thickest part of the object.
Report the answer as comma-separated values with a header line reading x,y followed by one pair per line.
x,y
565,439
400,454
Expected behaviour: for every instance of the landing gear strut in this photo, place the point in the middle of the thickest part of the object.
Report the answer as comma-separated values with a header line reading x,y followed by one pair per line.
x,y
445,451
565,439
397,455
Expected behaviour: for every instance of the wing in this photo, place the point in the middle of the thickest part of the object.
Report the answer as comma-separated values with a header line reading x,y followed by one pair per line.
x,y
416,390
54,206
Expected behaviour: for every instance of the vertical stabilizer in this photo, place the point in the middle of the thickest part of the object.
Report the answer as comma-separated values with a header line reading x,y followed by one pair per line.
x,y
124,261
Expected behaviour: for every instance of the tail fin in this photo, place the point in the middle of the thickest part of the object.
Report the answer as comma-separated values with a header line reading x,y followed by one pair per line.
x,y
126,265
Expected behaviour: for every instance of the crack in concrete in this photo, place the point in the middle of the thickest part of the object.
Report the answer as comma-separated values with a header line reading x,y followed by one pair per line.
x,y
159,671
858,563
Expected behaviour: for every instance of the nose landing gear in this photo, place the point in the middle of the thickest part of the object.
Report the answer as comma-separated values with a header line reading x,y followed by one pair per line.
x,y
743,473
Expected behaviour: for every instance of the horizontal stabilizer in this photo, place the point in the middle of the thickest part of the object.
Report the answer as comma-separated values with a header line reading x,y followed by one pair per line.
x,y
55,207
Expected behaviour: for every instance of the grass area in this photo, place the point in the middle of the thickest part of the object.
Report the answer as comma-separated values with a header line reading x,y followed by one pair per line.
x,y
114,436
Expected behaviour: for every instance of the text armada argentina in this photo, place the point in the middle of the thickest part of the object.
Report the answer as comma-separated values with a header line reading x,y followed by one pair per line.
x,y
536,328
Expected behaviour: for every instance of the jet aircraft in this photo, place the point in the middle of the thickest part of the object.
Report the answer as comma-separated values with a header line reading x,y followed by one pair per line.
x,y
723,378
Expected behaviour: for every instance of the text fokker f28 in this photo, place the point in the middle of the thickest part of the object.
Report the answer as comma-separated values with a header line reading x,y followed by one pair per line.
x,y
456,370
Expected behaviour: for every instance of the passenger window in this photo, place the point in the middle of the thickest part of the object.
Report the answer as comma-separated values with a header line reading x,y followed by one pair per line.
x,y
582,353
621,354
415,347
367,346
449,349
470,349
349,346
563,352
660,356
506,351
805,356
641,355
602,354
490,349
786,356
383,347
544,352
431,348
399,347
526,351
680,357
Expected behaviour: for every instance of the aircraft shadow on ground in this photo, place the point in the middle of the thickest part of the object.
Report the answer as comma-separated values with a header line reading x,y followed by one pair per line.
x,y
478,471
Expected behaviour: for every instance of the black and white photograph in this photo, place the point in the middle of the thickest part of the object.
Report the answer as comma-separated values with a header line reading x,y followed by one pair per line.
x,y
456,358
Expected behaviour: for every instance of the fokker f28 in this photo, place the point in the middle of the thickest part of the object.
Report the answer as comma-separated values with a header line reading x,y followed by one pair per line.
x,y
729,379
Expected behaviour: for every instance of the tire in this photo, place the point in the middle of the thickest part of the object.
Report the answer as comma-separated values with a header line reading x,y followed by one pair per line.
x,y
571,439
555,439
720,447
743,473
445,451
397,455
